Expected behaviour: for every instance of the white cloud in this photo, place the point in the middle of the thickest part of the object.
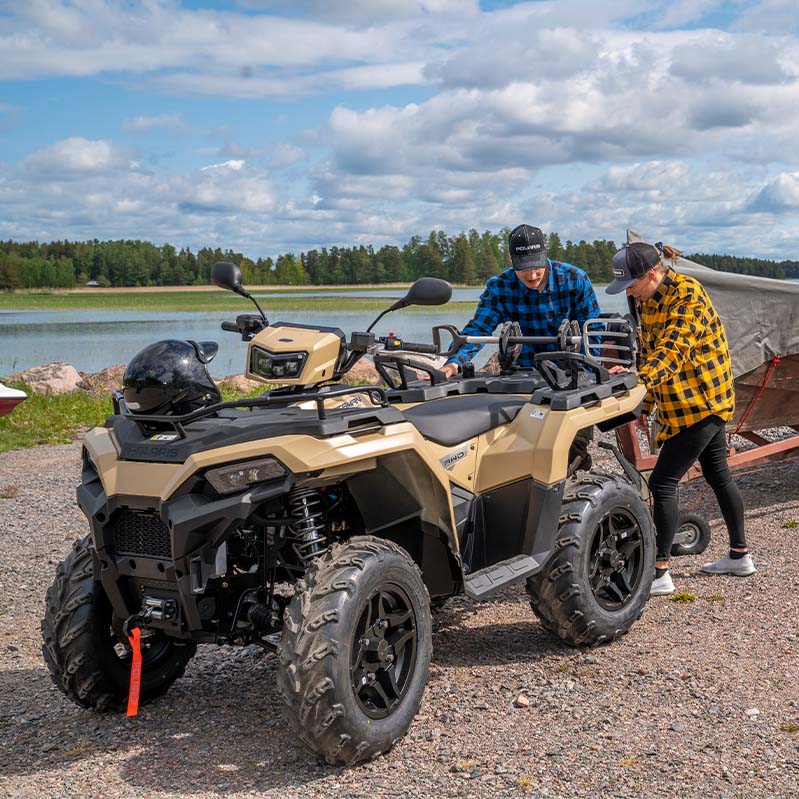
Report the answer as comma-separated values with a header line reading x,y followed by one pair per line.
x,y
580,116
75,157
142,124
366,11
773,16
45,39
285,154
781,193
234,164
681,12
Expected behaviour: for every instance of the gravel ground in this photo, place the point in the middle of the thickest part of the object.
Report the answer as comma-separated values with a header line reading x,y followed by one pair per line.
x,y
699,700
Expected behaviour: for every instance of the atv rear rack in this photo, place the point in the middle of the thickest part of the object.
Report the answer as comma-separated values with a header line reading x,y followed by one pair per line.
x,y
376,394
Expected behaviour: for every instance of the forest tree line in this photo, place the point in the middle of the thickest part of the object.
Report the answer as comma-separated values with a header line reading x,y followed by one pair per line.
x,y
468,258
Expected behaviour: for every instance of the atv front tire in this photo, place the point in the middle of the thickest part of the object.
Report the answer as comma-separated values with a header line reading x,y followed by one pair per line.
x,y
355,650
595,584
83,653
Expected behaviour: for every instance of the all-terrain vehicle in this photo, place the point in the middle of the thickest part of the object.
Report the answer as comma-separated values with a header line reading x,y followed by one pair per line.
x,y
323,520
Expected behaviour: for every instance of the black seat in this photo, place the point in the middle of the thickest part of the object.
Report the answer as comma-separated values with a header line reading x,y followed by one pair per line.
x,y
452,420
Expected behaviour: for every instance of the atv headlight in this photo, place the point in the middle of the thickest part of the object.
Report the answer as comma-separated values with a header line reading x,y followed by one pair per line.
x,y
277,365
228,479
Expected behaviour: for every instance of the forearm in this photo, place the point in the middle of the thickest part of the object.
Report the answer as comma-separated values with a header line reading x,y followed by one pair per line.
x,y
484,323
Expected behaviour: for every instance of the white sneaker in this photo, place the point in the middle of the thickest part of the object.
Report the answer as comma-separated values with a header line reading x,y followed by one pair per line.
x,y
740,567
662,586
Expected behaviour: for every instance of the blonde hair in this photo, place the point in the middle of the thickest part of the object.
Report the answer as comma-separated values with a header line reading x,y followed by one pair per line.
x,y
668,255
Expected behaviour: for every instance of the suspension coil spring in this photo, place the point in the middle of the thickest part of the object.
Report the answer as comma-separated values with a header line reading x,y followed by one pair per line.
x,y
308,523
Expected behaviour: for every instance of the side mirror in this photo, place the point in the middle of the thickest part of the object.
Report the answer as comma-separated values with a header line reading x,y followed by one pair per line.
x,y
426,291
227,276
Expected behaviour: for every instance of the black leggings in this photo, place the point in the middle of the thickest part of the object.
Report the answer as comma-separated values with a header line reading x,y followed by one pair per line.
x,y
706,441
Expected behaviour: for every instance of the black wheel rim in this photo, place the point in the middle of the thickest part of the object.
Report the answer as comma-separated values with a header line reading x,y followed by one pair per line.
x,y
617,559
384,652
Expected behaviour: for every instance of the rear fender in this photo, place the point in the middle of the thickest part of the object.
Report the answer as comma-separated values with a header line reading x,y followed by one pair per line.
x,y
536,443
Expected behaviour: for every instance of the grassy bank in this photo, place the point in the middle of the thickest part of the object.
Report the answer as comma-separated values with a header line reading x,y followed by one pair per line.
x,y
59,419
190,301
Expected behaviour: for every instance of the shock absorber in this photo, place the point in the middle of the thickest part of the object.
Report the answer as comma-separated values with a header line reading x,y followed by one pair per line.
x,y
308,523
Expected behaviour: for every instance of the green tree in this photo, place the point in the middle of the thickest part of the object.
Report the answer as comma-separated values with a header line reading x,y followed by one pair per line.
x,y
463,268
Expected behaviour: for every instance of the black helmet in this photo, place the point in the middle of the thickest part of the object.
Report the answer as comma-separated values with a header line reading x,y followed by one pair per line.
x,y
171,377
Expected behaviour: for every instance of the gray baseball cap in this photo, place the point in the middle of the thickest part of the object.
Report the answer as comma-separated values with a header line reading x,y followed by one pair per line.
x,y
630,263
528,248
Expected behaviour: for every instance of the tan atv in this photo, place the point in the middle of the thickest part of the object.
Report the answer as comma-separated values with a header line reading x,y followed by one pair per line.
x,y
322,521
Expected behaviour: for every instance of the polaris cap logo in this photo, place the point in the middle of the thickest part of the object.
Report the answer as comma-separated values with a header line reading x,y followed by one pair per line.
x,y
449,460
528,247
618,273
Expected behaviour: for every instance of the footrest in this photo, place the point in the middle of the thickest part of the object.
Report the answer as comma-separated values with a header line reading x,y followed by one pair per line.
x,y
484,582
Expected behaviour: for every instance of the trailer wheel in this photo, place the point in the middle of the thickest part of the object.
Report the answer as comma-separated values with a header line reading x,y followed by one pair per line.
x,y
596,582
355,650
693,534
82,650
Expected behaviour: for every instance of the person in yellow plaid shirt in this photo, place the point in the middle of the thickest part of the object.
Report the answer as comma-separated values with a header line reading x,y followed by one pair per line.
x,y
686,368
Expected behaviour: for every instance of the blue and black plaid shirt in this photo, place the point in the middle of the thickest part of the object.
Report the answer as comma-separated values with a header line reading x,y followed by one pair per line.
x,y
568,295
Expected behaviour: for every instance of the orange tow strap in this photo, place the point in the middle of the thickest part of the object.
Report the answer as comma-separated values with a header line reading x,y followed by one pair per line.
x,y
135,672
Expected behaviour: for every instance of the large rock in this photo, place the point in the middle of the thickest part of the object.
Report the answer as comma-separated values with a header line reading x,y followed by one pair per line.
x,y
103,382
363,373
241,384
52,378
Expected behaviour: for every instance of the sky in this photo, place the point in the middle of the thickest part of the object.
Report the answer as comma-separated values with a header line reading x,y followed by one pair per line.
x,y
267,126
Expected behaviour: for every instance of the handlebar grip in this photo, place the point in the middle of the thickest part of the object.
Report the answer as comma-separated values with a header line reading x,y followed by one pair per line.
x,y
230,327
427,349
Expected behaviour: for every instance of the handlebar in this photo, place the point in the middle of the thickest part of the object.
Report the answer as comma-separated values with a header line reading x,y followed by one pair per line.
x,y
391,342
247,324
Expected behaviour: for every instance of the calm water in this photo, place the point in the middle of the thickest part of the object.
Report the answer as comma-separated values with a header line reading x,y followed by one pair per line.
x,y
93,340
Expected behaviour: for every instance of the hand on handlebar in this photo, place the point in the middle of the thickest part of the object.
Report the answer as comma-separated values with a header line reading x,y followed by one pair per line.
x,y
450,369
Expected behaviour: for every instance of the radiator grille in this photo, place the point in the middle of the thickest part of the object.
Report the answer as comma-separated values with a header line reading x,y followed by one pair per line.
x,y
141,532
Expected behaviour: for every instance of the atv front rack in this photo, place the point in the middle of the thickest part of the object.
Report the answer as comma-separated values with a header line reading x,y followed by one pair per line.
x,y
146,422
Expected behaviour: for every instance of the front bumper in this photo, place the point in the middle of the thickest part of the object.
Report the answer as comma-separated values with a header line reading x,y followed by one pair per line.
x,y
180,556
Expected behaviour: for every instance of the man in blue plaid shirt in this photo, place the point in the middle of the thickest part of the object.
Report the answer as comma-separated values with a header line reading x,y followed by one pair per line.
x,y
538,294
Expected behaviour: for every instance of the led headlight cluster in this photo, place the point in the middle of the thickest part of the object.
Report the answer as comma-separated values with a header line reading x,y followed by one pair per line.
x,y
277,365
238,476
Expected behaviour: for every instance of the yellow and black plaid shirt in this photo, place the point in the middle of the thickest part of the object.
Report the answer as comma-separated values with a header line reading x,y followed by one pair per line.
x,y
685,360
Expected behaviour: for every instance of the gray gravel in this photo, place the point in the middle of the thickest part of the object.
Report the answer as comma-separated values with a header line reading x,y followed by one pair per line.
x,y
699,700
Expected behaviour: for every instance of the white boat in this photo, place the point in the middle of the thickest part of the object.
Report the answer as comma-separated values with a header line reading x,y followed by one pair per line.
x,y
10,398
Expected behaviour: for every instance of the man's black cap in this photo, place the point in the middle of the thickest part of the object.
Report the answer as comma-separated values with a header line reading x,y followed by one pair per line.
x,y
630,263
528,248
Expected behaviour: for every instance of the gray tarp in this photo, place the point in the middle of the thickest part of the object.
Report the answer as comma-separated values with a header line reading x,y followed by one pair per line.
x,y
760,315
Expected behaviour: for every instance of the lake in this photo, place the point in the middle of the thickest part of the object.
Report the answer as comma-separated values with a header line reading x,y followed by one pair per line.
x,y
94,340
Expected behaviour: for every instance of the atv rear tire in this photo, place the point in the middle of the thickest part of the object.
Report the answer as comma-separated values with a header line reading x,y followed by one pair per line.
x,y
355,650
596,583
85,658
693,531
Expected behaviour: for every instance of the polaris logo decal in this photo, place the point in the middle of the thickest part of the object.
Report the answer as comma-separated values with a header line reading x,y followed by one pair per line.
x,y
449,461
149,453
164,437
354,402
